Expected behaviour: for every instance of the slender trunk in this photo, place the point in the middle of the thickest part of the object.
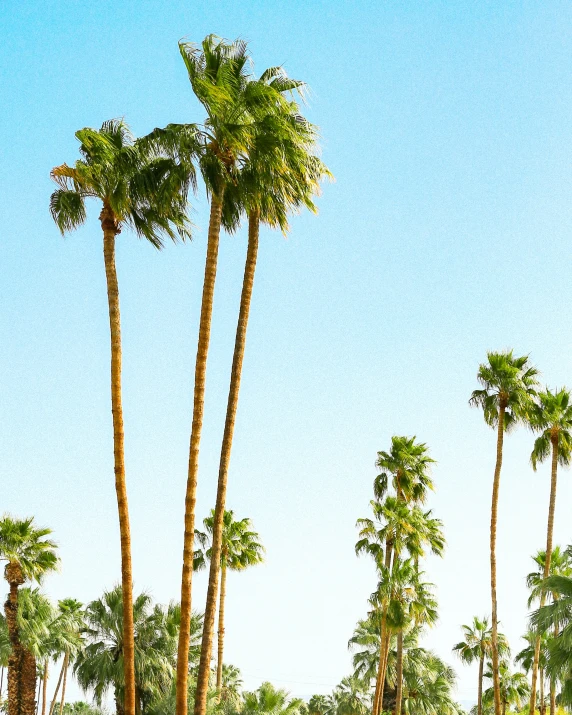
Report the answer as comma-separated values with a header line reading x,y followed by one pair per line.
x,y
38,694
1,681
379,681
399,678
232,404
110,232
547,559
15,578
57,690
66,665
182,678
221,625
480,691
493,539
552,697
384,670
541,678
45,686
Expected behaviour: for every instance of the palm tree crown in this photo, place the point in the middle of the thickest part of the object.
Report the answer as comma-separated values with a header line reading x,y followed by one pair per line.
x,y
241,547
22,544
407,466
552,416
509,384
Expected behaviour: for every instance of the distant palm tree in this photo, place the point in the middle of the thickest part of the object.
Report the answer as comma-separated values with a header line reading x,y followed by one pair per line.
x,y
142,189
99,666
29,554
477,647
66,640
506,398
514,688
320,705
407,467
240,549
351,697
268,700
552,416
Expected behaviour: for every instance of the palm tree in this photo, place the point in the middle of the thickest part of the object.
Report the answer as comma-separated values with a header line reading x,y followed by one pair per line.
x,y
100,664
145,190
351,697
5,649
320,705
407,467
268,700
514,687
241,548
477,647
66,640
552,416
281,173
231,684
218,72
508,387
30,555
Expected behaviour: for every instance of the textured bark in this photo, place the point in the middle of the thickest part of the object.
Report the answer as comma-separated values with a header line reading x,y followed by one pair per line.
x,y
221,626
547,559
193,468
56,691
493,539
66,665
232,404
399,676
28,680
110,231
45,686
14,576
480,690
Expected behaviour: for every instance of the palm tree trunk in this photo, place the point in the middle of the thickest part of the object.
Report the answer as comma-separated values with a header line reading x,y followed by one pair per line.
x,y
45,686
191,492
15,578
110,232
57,690
547,559
38,695
384,670
552,697
29,677
480,690
221,626
1,681
66,665
493,539
399,676
542,705
378,688
232,404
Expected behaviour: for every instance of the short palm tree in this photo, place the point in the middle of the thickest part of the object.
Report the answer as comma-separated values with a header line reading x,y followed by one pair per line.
x,y
514,688
99,666
231,684
30,555
142,189
241,548
268,700
66,639
506,398
477,647
407,467
552,416
351,697
320,705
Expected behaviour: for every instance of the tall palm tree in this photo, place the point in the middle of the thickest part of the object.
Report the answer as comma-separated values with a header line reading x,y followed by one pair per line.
x,y
241,548
99,666
407,467
140,188
508,387
281,174
526,659
552,416
30,555
477,647
218,73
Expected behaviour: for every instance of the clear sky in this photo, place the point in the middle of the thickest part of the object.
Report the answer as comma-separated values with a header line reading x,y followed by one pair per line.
x,y
447,233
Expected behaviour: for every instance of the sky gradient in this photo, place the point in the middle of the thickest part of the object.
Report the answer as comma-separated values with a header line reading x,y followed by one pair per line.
x,y
446,234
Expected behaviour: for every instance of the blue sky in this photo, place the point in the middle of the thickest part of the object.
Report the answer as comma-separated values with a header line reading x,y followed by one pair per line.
x,y
446,233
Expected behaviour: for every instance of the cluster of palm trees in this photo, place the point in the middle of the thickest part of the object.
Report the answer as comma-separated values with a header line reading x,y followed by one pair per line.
x,y
257,156
34,634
